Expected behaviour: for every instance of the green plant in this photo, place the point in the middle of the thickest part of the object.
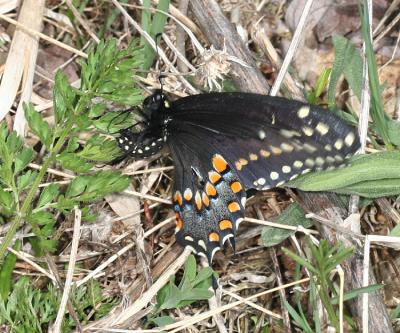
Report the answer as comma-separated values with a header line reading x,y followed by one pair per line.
x,y
153,25
107,76
193,287
324,258
29,309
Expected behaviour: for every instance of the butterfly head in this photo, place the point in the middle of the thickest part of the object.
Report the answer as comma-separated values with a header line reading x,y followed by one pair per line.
x,y
139,145
155,102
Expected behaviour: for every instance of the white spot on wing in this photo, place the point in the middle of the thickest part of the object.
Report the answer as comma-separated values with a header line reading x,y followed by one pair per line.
x,y
309,148
274,175
349,139
286,147
303,112
238,221
261,134
309,162
214,251
298,164
319,161
226,238
322,128
330,159
202,244
308,131
261,181
338,144
191,248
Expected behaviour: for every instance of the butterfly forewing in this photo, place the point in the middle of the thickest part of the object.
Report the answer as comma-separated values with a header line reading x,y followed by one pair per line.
x,y
267,140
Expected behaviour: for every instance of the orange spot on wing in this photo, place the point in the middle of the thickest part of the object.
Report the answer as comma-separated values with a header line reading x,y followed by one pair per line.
x,y
219,163
197,199
276,150
225,224
213,237
214,177
178,198
243,161
206,200
238,165
179,222
233,207
188,194
236,187
253,157
264,153
211,190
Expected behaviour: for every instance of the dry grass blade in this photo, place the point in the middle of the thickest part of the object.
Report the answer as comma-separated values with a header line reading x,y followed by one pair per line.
x,y
21,61
71,267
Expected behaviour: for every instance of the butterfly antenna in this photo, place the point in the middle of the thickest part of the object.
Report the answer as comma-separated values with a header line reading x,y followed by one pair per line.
x,y
157,38
120,113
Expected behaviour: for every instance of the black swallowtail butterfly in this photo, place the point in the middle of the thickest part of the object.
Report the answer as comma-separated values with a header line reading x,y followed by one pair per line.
x,y
223,144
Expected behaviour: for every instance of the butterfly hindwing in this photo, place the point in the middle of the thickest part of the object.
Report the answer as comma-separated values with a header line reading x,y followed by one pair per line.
x,y
208,198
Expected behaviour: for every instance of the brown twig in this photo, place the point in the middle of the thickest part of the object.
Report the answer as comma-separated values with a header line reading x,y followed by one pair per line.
x,y
220,32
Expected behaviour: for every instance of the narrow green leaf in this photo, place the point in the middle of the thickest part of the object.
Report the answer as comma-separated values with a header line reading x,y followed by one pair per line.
x,y
6,271
297,318
348,295
322,82
157,26
145,20
292,215
373,188
349,62
378,115
370,175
